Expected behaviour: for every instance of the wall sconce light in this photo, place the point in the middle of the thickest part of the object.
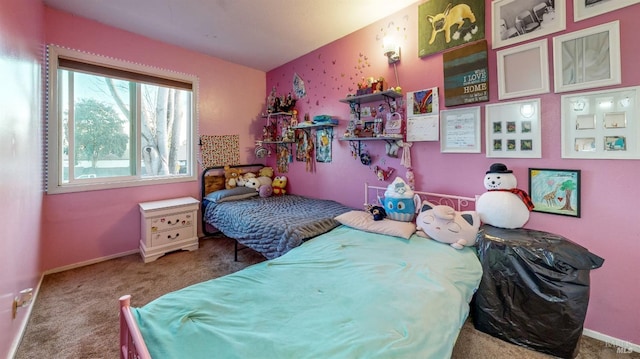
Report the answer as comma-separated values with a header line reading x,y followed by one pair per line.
x,y
391,49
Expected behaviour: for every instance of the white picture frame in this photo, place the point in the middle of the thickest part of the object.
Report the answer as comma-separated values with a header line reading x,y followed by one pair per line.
x,y
505,14
460,130
513,81
582,10
513,129
587,58
600,125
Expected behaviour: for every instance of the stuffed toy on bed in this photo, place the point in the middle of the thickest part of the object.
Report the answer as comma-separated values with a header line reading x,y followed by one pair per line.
x,y
503,205
231,176
400,202
444,224
279,185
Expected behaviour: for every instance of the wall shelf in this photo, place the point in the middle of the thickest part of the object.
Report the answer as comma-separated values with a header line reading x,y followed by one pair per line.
x,y
384,95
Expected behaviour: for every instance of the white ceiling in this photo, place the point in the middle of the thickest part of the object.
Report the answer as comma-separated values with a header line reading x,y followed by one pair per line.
x,y
262,34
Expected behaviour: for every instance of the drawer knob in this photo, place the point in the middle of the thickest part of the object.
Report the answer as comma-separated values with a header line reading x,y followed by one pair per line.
x,y
173,237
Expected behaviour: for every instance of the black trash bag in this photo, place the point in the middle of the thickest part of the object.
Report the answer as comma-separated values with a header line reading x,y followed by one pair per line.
x,y
534,290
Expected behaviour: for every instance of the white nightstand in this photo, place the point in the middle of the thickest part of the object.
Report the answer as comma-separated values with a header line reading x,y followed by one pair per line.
x,y
167,226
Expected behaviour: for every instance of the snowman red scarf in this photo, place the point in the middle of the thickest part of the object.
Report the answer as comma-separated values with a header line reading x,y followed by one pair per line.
x,y
524,196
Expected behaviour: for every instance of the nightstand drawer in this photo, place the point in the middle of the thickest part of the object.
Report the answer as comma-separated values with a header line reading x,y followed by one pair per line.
x,y
171,236
171,221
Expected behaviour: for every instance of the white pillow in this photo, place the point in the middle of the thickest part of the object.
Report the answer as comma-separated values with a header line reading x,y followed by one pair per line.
x,y
364,221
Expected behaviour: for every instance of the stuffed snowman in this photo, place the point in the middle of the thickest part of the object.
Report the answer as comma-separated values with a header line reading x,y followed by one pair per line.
x,y
503,205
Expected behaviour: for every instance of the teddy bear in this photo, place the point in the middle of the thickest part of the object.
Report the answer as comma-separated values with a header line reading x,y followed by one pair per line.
x,y
503,205
279,184
231,176
444,224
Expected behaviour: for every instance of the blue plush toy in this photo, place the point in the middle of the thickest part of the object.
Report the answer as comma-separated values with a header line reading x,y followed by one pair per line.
x,y
400,202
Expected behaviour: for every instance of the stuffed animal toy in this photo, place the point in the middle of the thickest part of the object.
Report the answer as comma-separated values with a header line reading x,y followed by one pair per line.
x,y
265,191
399,201
231,176
503,205
266,172
444,224
264,180
279,185
378,212
253,183
242,179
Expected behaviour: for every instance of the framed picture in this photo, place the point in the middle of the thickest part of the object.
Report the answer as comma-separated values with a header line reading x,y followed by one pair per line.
x,y
445,24
555,191
598,124
515,21
460,130
513,129
466,74
323,144
584,9
512,81
587,58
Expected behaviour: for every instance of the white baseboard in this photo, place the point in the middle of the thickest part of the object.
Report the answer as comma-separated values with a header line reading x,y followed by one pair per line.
x,y
23,326
92,261
622,346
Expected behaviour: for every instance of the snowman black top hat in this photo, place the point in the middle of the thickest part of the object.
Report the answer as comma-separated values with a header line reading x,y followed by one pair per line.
x,y
499,168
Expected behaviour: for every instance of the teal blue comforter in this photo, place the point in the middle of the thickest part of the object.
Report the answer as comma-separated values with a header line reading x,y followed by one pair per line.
x,y
344,294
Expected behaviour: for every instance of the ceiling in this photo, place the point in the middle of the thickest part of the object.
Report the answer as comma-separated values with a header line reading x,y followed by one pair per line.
x,y
261,34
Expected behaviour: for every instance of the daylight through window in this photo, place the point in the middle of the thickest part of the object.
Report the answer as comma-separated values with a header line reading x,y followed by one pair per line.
x,y
116,124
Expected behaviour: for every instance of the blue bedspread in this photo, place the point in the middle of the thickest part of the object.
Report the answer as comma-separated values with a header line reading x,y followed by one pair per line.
x,y
274,225
344,294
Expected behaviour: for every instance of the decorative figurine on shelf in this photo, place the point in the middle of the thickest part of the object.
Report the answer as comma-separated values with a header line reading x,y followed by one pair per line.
x,y
294,118
271,101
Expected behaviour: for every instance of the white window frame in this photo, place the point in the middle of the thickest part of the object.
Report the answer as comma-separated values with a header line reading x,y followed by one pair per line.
x,y
54,128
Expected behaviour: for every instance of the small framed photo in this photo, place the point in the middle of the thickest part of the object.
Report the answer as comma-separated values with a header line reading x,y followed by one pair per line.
x,y
587,58
515,21
584,9
460,130
555,191
513,129
615,120
586,122
512,81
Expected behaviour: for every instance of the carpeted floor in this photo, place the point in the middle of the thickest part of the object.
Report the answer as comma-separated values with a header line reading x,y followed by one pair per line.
x,y
76,312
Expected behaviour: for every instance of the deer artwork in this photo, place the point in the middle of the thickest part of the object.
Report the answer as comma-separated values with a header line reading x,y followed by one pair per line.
x,y
451,16
550,198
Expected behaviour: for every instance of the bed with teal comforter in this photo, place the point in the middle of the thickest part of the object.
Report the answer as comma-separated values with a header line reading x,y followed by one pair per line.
x,y
344,294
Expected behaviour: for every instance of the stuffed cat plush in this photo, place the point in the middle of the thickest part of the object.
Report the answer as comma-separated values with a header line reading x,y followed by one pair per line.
x,y
444,224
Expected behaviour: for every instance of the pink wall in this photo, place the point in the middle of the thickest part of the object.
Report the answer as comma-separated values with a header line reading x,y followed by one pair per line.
x,y
80,227
609,223
20,154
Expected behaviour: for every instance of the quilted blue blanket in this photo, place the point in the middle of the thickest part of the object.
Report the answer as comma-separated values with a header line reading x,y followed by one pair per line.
x,y
276,224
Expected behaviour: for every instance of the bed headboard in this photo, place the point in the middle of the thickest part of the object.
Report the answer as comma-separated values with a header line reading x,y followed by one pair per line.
x,y
459,203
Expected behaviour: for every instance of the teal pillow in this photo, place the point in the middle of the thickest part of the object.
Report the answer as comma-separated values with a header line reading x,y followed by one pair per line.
x,y
233,194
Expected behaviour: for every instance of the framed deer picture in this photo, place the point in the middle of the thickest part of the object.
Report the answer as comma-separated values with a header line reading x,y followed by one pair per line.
x,y
443,24
555,191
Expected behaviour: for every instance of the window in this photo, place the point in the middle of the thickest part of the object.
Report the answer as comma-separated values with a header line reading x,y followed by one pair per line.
x,y
116,124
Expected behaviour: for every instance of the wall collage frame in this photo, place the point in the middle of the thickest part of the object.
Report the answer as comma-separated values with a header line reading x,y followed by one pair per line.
x,y
512,129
